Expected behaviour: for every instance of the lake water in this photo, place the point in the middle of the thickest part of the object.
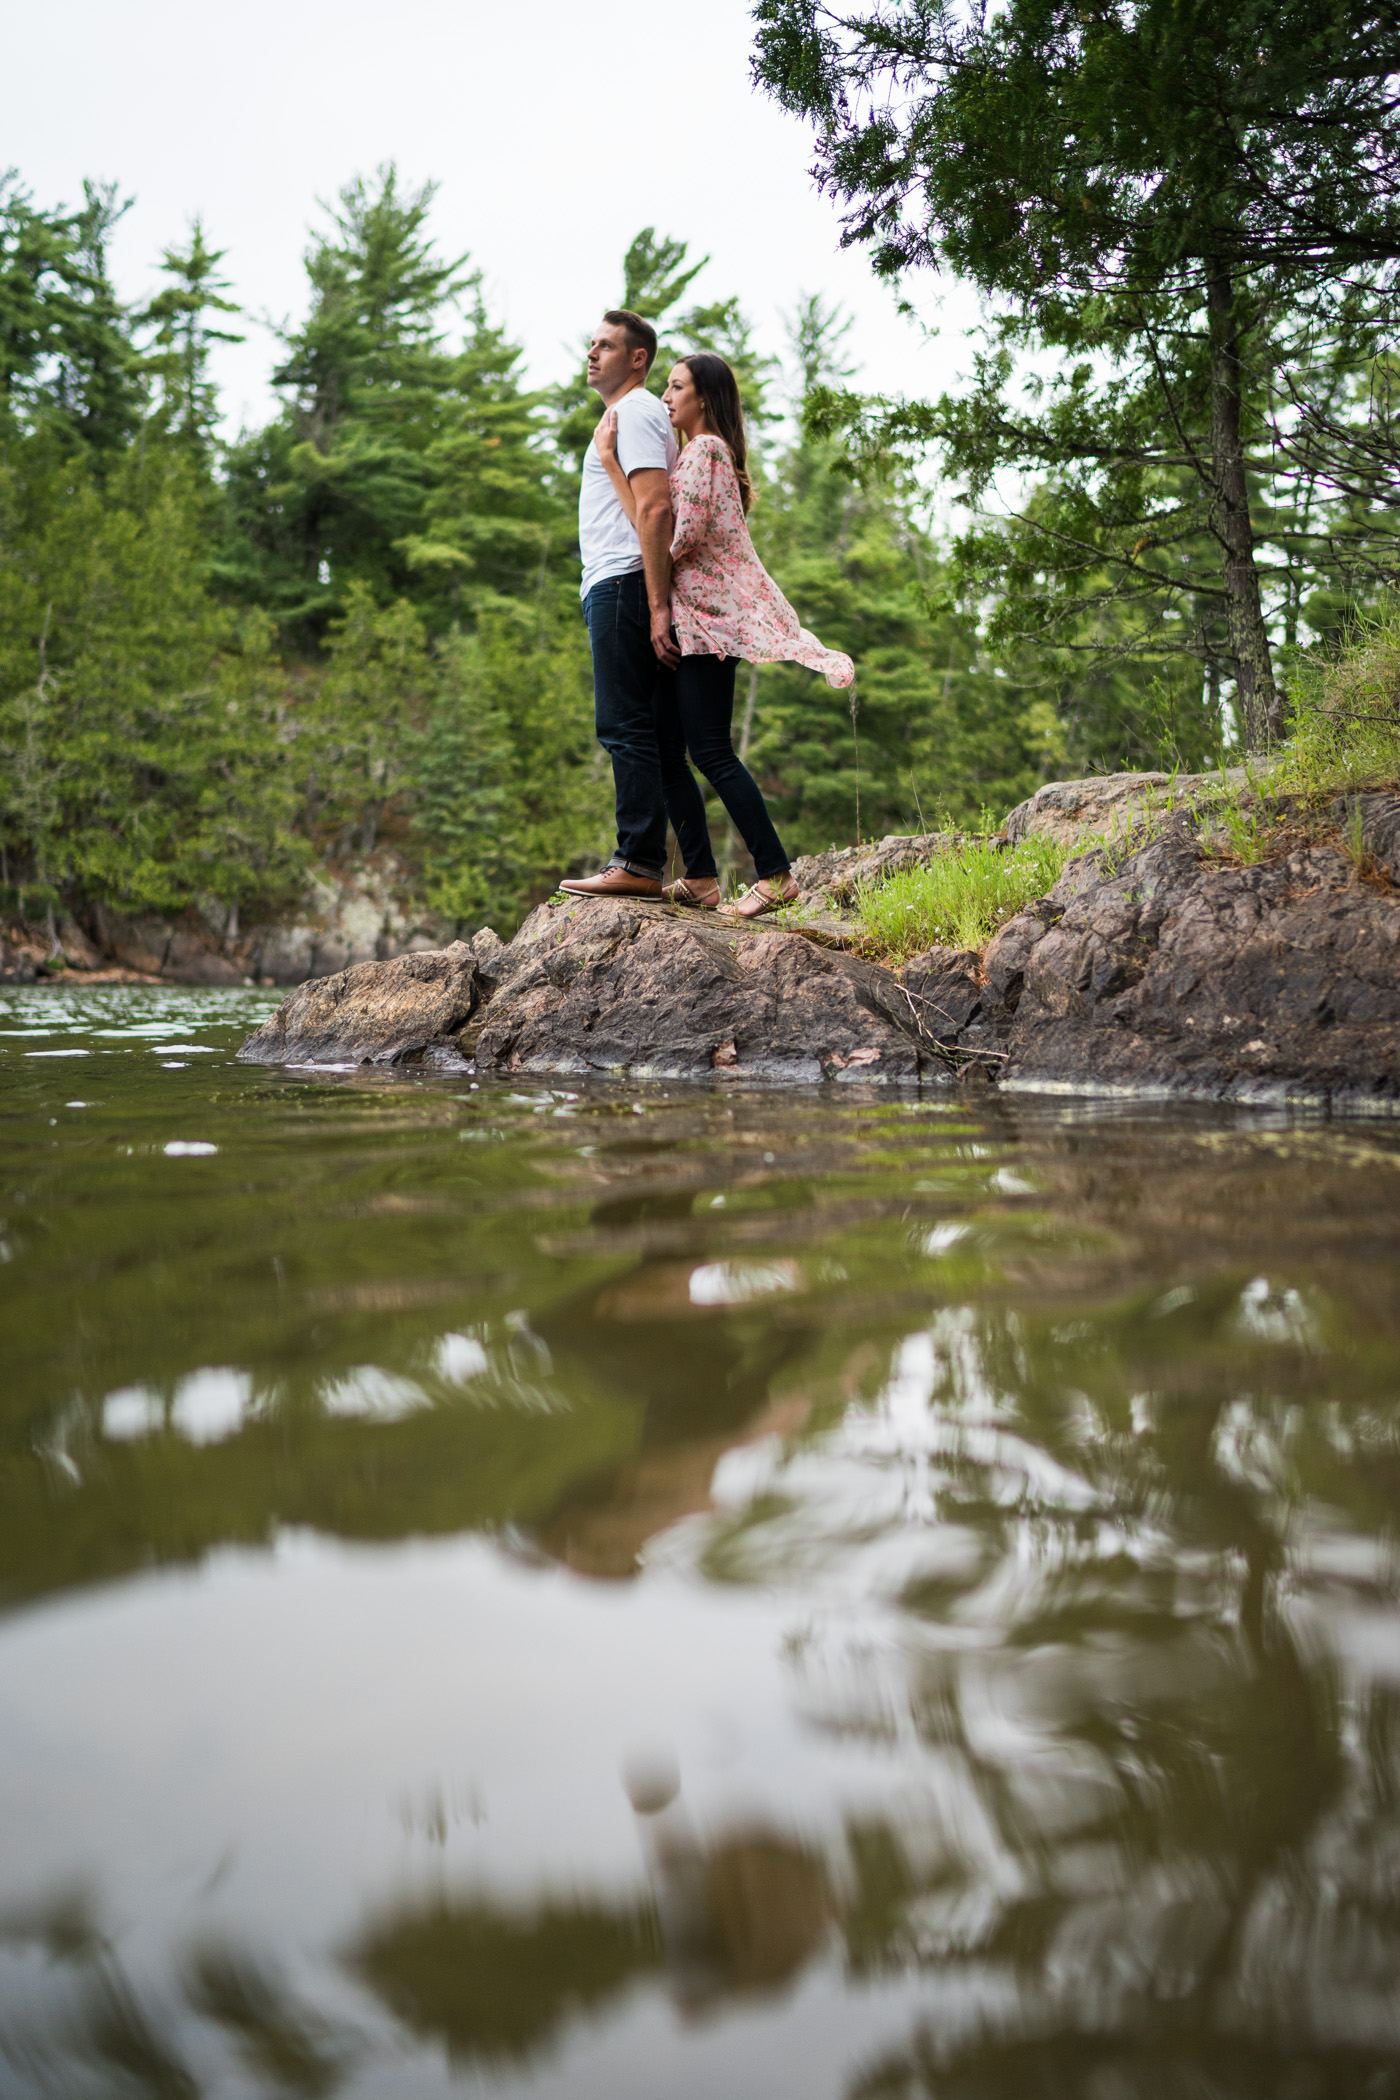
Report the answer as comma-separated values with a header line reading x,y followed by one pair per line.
x,y
668,1592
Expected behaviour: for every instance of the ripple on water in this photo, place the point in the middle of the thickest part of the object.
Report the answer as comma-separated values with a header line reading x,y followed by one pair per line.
x,y
982,1518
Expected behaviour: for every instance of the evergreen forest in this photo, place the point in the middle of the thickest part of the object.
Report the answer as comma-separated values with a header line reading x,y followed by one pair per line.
x,y
351,637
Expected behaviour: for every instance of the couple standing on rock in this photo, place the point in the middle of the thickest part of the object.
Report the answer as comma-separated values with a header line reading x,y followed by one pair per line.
x,y
674,594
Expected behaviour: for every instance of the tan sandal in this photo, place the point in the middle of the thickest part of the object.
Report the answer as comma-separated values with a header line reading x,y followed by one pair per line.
x,y
685,892
759,898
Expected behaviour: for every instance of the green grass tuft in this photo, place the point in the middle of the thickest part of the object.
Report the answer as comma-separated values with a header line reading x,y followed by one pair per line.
x,y
959,899
1345,705
1346,731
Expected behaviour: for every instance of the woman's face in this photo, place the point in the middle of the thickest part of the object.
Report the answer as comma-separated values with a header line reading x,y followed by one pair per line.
x,y
683,403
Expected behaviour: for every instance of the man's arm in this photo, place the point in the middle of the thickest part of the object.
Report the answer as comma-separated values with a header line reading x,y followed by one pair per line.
x,y
652,490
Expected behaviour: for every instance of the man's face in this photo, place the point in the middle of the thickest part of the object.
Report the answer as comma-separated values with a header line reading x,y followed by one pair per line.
x,y
611,360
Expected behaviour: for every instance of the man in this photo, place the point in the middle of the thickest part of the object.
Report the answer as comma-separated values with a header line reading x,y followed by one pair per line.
x,y
626,594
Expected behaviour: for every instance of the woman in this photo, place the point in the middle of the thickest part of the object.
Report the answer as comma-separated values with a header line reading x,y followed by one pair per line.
x,y
724,605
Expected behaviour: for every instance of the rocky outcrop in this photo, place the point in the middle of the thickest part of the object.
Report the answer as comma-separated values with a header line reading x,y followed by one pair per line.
x,y
373,1013
1154,968
1112,803
354,915
1169,973
1175,975
615,989
648,990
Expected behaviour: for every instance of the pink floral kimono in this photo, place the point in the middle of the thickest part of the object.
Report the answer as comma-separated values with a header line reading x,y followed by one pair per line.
x,y
723,601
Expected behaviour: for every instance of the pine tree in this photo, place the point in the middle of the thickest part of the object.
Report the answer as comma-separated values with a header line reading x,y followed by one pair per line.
x,y
1178,199
141,762
376,470
178,360
928,732
511,788
67,360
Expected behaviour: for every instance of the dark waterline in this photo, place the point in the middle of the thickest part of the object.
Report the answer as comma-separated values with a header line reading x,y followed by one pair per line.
x,y
655,1591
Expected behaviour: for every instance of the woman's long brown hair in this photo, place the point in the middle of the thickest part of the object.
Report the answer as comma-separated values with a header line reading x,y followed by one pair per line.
x,y
724,412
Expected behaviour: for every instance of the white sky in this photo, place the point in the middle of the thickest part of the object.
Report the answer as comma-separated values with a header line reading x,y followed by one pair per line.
x,y
555,132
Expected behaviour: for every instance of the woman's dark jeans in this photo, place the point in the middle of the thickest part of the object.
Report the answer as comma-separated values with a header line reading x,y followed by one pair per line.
x,y
631,689
698,716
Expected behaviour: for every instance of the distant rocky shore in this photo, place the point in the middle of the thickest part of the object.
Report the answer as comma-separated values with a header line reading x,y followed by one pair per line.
x,y
346,917
1160,968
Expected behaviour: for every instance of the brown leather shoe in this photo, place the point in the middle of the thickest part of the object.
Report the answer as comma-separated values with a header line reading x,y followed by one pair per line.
x,y
612,882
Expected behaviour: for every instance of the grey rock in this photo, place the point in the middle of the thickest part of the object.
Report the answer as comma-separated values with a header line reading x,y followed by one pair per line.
x,y
1175,974
837,876
332,955
18,965
1380,828
944,987
642,990
191,958
1160,971
1006,955
286,954
373,1013
1064,810
79,952
618,988
138,944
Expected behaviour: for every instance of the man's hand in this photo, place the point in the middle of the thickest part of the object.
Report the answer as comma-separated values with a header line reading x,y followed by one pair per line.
x,y
652,489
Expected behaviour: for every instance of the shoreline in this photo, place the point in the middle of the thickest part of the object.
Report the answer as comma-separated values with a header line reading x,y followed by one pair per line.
x,y
1154,969
1162,966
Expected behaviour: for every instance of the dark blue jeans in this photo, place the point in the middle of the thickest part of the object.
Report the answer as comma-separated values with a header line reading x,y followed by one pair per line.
x,y
629,682
698,717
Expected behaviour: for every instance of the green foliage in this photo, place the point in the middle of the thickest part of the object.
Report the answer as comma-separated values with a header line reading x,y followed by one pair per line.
x,y
67,360
1348,711
356,629
140,760
399,463
366,718
929,729
179,357
512,790
1236,825
1187,220
960,898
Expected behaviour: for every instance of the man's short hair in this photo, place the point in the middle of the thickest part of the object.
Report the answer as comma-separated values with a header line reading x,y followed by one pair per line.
x,y
639,333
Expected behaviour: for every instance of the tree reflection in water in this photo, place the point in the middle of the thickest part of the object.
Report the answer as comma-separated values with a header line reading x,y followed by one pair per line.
x,y
1075,1452
737,1917
1161,1797
1153,1848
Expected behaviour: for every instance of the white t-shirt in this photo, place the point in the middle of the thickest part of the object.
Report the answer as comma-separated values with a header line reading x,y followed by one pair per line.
x,y
607,539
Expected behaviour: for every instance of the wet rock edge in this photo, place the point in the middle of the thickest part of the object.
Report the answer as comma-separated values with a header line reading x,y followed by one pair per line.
x,y
1163,973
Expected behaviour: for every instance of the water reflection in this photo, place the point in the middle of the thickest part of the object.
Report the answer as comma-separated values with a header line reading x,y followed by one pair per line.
x,y
997,1512
736,1917
88,2028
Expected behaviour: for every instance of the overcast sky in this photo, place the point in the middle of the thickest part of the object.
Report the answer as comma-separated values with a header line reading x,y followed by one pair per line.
x,y
555,132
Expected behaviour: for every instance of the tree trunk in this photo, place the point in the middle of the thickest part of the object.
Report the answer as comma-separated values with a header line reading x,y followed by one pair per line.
x,y
1261,708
